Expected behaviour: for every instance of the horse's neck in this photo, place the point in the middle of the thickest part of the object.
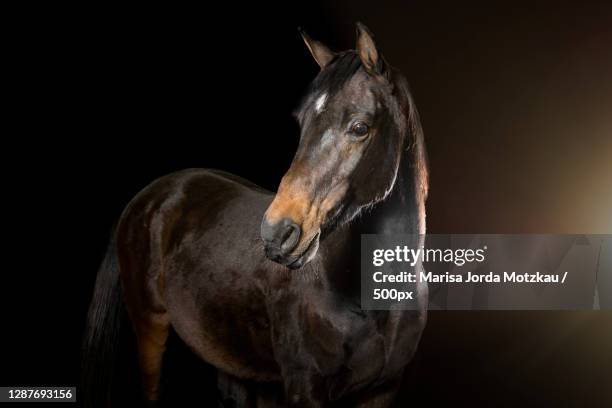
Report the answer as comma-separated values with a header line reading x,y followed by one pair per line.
x,y
400,212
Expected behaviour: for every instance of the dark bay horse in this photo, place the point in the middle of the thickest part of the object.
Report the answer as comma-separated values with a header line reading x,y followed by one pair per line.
x,y
266,287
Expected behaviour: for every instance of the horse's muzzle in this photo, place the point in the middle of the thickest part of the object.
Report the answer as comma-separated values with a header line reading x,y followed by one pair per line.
x,y
280,239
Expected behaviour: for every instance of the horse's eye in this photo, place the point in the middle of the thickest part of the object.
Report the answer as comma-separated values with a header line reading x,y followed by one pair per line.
x,y
360,129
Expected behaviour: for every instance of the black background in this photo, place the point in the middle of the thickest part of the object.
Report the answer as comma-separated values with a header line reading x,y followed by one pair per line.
x,y
515,102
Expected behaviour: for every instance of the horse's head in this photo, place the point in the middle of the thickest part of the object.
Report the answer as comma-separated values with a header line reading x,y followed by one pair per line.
x,y
349,151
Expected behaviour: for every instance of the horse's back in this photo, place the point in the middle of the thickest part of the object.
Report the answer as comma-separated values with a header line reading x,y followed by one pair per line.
x,y
189,198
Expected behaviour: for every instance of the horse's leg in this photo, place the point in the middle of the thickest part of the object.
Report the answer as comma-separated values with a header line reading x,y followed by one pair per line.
x,y
139,249
233,393
382,396
269,395
151,337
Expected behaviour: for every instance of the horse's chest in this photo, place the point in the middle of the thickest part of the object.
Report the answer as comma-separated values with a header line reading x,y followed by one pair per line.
x,y
329,338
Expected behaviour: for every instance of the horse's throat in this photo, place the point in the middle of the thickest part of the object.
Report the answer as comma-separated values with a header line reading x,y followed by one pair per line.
x,y
399,212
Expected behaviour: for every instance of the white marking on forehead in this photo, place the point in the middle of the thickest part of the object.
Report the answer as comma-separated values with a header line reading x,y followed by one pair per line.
x,y
327,138
320,103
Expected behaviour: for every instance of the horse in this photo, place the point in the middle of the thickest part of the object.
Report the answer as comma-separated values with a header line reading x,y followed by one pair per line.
x,y
265,287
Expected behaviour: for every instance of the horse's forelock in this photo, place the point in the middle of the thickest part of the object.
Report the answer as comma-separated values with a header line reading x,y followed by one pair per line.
x,y
331,79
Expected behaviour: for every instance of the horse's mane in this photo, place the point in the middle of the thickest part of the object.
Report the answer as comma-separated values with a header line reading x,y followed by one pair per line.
x,y
341,69
415,141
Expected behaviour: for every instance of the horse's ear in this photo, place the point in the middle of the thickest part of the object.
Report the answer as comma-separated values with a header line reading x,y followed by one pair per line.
x,y
321,54
366,48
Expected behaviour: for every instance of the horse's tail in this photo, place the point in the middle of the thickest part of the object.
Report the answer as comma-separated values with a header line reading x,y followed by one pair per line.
x,y
101,338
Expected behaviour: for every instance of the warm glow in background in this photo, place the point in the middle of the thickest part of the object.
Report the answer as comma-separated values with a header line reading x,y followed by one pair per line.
x,y
516,104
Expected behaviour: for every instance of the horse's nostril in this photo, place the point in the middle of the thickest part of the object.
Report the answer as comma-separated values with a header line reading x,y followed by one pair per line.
x,y
290,237
281,237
